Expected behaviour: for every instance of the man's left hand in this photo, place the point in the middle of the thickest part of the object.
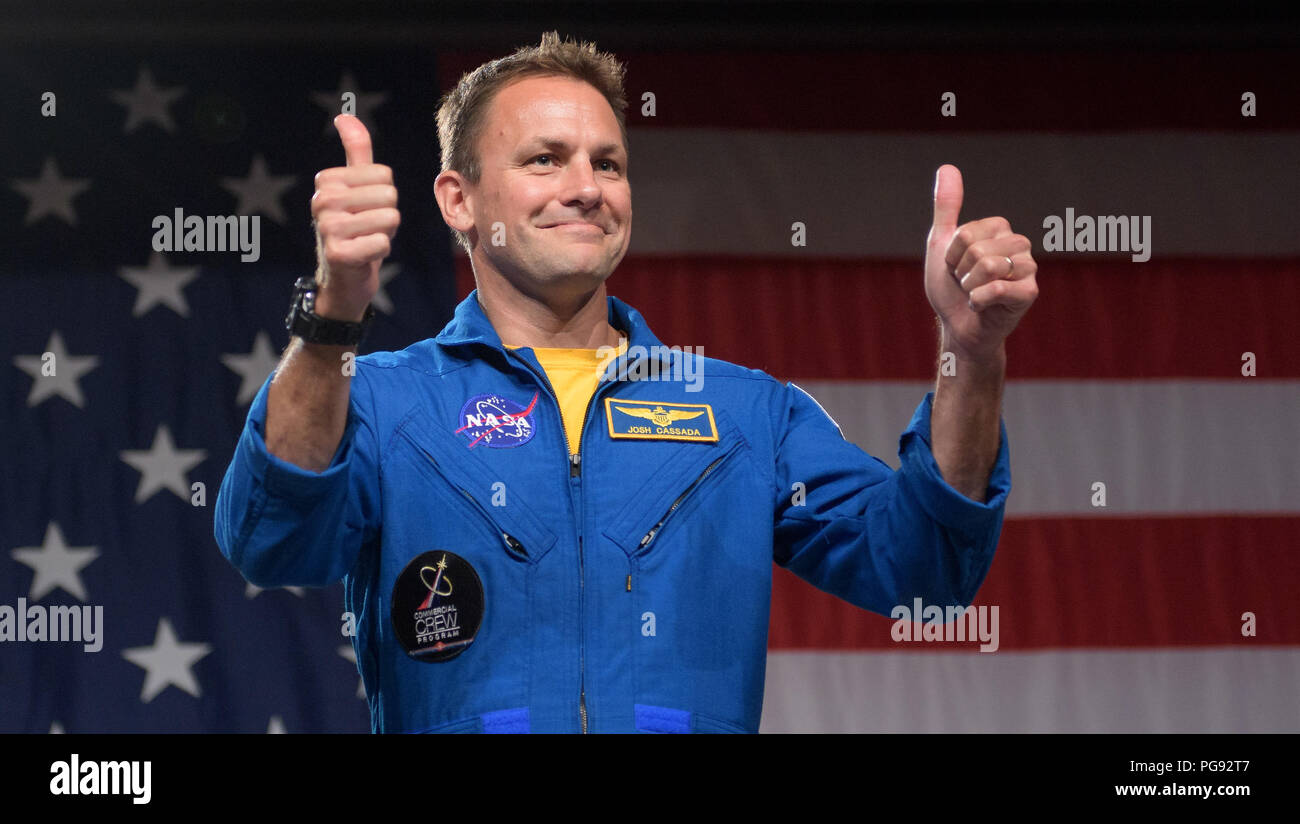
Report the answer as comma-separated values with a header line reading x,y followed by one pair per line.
x,y
979,277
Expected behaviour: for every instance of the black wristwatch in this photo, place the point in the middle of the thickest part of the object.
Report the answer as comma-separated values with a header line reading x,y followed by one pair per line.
x,y
303,321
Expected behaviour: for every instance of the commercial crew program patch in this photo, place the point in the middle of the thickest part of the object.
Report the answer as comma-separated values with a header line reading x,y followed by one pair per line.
x,y
496,421
660,421
437,606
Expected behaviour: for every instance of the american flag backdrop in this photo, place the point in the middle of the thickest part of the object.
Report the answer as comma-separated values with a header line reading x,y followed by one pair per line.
x,y
157,356
1148,567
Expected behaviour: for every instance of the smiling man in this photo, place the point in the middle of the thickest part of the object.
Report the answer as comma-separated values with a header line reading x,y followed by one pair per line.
x,y
534,542
551,185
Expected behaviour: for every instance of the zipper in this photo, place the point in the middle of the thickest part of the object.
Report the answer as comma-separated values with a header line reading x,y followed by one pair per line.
x,y
575,476
575,479
654,530
574,461
512,544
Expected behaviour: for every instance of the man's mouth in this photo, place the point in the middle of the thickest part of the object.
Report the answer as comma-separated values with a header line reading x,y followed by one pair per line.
x,y
577,225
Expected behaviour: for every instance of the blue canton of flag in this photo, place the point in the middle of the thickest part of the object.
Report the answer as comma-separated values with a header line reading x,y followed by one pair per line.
x,y
154,213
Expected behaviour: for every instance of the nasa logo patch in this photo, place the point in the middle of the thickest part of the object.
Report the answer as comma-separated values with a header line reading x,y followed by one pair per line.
x,y
437,606
495,421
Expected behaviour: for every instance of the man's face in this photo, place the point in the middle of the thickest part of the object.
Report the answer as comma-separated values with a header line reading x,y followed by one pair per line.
x,y
554,173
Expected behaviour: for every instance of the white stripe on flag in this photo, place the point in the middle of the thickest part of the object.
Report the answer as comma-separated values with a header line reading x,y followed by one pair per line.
x,y
1166,447
1217,690
869,195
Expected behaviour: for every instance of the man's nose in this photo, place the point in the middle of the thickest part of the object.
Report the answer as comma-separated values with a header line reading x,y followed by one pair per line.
x,y
580,186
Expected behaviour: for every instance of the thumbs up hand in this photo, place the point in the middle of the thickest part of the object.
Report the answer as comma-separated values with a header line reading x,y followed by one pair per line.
x,y
355,214
979,277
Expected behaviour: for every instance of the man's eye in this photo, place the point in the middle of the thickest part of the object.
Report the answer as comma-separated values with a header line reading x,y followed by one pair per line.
x,y
608,165
543,157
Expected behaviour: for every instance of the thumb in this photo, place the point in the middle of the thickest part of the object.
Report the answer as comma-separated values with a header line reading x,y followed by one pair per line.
x,y
947,197
356,140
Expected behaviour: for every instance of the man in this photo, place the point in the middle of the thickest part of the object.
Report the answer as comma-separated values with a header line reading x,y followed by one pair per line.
x,y
535,537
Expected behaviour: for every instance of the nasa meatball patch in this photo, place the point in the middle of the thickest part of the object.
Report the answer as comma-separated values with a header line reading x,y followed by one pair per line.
x,y
496,421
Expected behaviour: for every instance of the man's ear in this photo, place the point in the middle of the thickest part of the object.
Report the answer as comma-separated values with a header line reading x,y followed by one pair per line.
x,y
451,191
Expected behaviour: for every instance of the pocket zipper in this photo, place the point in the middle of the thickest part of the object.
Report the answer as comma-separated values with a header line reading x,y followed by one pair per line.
x,y
654,530
512,544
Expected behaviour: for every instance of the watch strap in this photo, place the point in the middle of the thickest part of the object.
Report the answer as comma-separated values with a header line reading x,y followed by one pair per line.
x,y
302,320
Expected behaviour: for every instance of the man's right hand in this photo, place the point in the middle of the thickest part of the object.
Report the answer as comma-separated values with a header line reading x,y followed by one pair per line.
x,y
355,214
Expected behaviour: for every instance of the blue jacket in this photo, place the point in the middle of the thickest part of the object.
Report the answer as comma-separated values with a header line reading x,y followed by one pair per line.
x,y
625,591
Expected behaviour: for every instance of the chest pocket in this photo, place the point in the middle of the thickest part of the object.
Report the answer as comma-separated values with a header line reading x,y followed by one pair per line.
x,y
691,470
524,534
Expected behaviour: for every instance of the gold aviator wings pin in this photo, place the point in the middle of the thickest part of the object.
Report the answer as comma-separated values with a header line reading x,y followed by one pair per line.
x,y
659,416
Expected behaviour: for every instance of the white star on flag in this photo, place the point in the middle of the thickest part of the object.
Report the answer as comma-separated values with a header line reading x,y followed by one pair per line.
x,y
260,191
167,662
253,368
163,466
275,726
56,564
349,653
68,369
159,283
51,193
365,103
147,102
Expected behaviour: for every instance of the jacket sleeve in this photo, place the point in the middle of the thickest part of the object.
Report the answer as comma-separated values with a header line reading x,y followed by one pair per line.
x,y
874,536
281,525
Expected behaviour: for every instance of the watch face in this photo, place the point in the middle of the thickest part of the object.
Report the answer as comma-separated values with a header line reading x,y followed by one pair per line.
x,y
309,301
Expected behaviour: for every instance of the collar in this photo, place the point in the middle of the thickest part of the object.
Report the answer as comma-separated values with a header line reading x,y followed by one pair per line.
x,y
470,327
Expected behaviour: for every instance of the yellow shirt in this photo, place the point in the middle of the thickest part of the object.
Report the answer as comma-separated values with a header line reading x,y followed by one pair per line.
x,y
574,375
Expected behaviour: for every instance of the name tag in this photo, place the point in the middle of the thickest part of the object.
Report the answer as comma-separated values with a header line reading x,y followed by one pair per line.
x,y
656,421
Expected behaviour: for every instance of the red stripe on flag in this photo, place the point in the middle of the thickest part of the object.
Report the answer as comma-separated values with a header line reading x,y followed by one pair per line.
x,y
859,320
1099,582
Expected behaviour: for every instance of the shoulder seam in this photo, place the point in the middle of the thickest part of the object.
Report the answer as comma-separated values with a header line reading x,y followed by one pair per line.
x,y
412,368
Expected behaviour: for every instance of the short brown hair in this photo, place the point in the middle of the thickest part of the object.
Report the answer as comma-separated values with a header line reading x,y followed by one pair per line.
x,y
463,109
